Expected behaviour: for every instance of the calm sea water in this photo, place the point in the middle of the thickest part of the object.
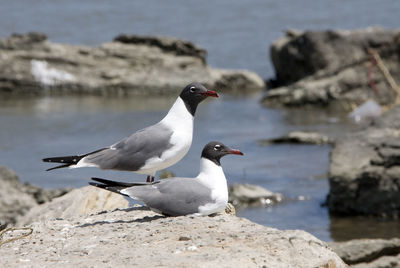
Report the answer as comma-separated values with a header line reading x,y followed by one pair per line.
x,y
236,34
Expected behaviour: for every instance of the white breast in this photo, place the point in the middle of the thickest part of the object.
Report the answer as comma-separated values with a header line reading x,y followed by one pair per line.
x,y
213,177
181,122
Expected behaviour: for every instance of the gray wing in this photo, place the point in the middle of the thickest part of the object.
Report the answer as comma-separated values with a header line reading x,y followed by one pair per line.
x,y
173,196
132,152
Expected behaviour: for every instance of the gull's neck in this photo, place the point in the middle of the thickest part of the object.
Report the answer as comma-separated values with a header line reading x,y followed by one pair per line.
x,y
212,175
179,117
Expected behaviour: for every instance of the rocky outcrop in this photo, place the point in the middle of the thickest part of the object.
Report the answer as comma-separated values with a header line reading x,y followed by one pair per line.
x,y
369,253
323,67
247,195
364,175
130,65
139,237
300,137
83,201
17,198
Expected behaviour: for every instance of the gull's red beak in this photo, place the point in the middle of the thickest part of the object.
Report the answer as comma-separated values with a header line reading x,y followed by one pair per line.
x,y
234,151
210,93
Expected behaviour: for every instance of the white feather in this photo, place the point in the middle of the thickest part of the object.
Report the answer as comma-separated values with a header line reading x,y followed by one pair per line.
x,y
213,177
180,121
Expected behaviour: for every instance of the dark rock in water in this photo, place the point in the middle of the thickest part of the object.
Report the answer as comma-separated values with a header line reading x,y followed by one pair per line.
x,y
369,252
365,170
321,67
22,41
16,198
245,195
167,44
130,65
300,137
44,195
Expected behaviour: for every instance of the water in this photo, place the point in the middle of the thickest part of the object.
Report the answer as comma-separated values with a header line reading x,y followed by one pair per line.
x,y
236,34
34,128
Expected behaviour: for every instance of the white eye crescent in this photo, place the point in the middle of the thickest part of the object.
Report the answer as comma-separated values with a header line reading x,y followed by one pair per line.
x,y
217,147
192,89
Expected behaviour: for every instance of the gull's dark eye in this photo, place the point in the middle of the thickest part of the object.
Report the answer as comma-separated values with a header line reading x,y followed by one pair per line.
x,y
217,147
192,89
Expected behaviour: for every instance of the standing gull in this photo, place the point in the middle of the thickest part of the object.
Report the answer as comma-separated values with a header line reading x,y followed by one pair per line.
x,y
204,195
150,149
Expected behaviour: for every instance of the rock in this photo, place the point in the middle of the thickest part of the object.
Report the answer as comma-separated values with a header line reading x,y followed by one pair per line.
x,y
363,251
300,137
230,209
22,41
139,237
13,200
82,201
130,65
324,67
44,195
382,262
244,195
167,44
17,198
364,175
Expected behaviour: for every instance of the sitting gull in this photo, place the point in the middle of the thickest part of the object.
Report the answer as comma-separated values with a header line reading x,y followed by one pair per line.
x,y
204,195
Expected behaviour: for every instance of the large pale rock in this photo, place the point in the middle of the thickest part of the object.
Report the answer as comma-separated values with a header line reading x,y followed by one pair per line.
x,y
323,67
139,237
130,65
82,201
364,174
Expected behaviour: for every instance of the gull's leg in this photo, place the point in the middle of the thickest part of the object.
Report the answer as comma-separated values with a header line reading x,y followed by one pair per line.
x,y
152,178
148,179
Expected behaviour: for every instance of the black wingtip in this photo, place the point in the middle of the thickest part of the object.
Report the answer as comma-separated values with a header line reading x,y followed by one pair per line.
x,y
99,185
114,189
47,160
61,166
120,183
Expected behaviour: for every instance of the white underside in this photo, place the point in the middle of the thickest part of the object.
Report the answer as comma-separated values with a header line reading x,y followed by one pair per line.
x,y
181,122
213,177
82,163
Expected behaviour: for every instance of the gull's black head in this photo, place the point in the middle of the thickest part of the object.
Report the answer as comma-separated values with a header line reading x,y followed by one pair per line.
x,y
215,150
195,93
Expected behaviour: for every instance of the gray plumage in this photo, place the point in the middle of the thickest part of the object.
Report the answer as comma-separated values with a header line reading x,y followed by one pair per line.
x,y
132,152
151,149
203,195
174,196
163,195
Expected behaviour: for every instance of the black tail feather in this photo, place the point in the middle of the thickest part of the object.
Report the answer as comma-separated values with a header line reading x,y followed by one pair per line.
x,y
67,160
116,189
71,159
119,183
60,166
117,186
